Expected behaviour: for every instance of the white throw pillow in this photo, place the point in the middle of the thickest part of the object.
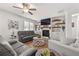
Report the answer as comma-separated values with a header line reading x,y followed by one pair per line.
x,y
76,45
68,41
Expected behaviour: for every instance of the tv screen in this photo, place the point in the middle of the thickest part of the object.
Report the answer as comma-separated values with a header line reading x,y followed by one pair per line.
x,y
45,21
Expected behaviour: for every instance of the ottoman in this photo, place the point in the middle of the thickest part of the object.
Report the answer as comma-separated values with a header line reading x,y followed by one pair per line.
x,y
38,42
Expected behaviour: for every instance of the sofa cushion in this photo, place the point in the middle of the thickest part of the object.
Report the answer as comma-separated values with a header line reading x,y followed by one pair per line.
x,y
21,49
12,42
29,52
17,45
7,46
4,51
14,49
26,37
68,41
76,45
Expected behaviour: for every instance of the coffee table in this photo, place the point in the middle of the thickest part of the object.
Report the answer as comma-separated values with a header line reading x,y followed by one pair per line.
x,y
52,52
38,41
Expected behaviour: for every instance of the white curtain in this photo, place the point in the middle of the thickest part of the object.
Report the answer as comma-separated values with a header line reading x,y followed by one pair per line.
x,y
28,26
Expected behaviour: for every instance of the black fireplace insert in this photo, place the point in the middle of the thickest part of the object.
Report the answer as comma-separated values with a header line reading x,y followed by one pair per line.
x,y
45,33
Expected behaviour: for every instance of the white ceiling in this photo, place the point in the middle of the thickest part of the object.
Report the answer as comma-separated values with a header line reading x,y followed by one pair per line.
x,y
44,10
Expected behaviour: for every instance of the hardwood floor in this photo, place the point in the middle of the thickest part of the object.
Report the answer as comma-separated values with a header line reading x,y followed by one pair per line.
x,y
29,43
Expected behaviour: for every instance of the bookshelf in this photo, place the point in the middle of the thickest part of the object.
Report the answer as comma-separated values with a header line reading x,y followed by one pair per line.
x,y
57,23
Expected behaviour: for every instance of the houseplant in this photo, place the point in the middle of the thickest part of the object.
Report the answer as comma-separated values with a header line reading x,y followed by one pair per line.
x,y
45,52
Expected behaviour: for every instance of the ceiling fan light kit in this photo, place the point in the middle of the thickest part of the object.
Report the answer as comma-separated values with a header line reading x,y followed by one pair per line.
x,y
25,10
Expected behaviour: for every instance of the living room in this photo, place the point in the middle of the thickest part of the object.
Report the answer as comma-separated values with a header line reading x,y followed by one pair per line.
x,y
39,29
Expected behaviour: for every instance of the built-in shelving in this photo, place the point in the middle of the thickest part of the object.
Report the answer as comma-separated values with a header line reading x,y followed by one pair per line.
x,y
55,24
60,23
56,27
56,20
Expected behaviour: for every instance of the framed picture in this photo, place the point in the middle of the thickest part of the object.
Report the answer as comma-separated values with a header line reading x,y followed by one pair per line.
x,y
13,24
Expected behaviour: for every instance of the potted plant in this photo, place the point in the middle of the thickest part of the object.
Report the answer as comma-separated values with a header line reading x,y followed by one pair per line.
x,y
45,52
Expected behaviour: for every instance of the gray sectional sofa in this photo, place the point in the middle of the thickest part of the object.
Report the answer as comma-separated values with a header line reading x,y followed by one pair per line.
x,y
14,48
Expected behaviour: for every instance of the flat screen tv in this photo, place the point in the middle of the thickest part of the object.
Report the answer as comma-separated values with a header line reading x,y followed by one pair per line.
x,y
45,21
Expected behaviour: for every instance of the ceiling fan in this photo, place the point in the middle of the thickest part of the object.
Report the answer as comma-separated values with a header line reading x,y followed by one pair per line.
x,y
26,8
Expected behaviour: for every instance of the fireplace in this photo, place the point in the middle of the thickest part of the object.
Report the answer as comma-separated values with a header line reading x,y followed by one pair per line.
x,y
45,33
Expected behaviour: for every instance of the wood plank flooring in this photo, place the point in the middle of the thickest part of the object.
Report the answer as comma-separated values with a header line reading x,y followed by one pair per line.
x,y
29,43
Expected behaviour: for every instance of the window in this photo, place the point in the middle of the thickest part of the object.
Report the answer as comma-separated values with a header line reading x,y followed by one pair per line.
x,y
31,26
28,25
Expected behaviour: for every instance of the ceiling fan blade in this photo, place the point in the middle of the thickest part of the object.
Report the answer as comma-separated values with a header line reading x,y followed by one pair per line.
x,y
33,9
30,12
17,7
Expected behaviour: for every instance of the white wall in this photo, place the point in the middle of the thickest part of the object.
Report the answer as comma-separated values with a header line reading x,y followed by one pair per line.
x,y
74,29
59,33
73,32
68,25
4,17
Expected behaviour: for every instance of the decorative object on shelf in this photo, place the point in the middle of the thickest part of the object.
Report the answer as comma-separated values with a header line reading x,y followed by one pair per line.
x,y
63,28
37,27
72,24
56,20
